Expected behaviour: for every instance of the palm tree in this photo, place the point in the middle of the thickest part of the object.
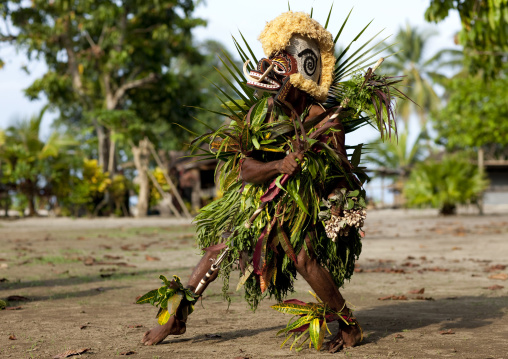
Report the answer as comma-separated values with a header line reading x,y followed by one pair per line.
x,y
395,158
420,73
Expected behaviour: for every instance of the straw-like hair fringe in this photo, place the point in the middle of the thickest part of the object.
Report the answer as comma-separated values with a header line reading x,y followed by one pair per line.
x,y
276,35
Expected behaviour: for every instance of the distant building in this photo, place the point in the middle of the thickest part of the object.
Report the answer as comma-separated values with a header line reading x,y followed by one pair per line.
x,y
497,173
196,179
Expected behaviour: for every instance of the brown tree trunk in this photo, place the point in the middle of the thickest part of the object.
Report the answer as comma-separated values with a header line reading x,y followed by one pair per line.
x,y
102,146
30,195
112,155
141,154
448,209
6,204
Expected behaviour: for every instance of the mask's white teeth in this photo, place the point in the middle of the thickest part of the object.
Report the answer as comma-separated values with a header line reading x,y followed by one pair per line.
x,y
269,80
273,86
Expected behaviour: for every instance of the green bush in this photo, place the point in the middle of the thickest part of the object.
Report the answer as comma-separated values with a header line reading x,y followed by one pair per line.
x,y
445,183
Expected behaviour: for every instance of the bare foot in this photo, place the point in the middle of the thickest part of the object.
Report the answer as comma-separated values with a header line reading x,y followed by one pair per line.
x,y
351,334
347,337
336,344
159,333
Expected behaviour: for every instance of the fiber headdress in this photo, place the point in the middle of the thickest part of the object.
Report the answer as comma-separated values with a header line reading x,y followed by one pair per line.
x,y
276,37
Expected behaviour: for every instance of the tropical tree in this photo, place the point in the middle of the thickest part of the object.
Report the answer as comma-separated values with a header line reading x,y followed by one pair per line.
x,y
420,75
484,32
157,114
397,154
445,183
475,114
123,68
28,161
420,72
99,52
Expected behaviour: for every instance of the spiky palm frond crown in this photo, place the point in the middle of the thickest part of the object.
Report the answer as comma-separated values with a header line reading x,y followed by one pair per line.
x,y
379,91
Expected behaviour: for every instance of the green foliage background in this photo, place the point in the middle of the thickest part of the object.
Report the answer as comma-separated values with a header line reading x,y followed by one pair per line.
x,y
484,32
445,183
475,114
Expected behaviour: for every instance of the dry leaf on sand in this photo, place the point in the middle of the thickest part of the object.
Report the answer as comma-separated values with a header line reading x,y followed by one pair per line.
x,y
495,287
417,291
449,331
500,276
108,256
151,259
69,353
495,268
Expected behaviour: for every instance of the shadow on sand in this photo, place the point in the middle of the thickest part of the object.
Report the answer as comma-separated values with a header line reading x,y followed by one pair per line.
x,y
465,312
89,278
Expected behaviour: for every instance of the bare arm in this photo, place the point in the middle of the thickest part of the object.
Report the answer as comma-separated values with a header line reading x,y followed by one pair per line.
x,y
256,172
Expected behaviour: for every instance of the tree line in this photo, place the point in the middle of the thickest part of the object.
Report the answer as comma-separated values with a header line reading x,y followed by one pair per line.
x,y
122,75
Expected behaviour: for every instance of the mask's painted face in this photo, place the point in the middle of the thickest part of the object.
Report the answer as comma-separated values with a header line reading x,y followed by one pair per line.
x,y
273,74
307,55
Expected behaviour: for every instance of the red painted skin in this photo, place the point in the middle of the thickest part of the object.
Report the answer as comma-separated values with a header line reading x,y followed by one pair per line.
x,y
308,266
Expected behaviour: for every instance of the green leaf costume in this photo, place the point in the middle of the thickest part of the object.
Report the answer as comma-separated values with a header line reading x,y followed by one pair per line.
x,y
266,224
295,100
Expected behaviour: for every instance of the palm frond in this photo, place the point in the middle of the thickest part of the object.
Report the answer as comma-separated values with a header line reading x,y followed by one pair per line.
x,y
248,47
343,53
342,27
345,65
328,18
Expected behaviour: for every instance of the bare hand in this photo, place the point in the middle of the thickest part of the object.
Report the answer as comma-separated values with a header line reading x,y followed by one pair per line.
x,y
291,163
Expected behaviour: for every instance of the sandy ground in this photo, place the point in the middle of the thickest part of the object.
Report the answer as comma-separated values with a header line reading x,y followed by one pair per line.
x,y
80,277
